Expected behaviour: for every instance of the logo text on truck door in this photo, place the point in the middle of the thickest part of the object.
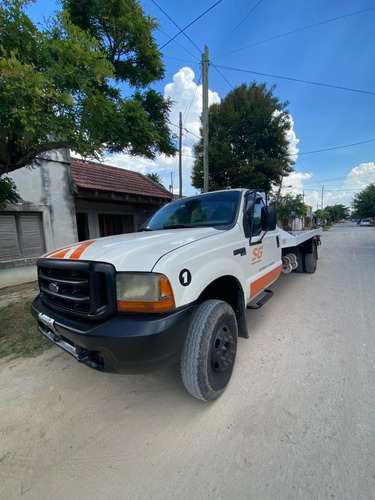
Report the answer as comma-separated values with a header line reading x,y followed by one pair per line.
x,y
257,254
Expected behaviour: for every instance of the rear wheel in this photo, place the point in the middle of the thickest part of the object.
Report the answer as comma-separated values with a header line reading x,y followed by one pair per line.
x,y
210,350
311,260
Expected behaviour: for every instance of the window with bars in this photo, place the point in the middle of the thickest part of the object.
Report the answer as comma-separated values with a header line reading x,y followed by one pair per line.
x,y
21,235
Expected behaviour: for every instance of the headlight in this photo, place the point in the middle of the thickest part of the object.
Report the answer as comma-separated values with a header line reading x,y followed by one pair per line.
x,y
144,292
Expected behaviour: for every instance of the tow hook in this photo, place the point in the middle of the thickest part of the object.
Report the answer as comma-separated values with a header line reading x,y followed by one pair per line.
x,y
49,323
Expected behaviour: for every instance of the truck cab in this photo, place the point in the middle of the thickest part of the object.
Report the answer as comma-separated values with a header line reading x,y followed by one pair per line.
x,y
178,290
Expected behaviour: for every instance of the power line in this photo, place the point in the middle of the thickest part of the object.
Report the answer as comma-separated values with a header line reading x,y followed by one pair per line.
x,y
184,48
239,24
297,80
183,60
295,31
336,147
332,190
221,74
310,173
186,130
190,24
177,26
192,133
187,111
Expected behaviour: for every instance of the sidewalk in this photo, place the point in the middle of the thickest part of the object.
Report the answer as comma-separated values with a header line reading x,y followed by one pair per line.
x,y
18,292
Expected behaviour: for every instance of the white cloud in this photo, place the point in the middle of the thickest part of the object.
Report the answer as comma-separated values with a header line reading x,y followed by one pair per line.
x,y
360,177
357,179
292,138
187,98
290,135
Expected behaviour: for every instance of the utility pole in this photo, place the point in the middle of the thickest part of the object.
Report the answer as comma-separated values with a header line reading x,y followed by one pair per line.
x,y
322,196
180,157
205,63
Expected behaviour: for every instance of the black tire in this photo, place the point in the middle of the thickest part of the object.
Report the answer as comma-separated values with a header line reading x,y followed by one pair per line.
x,y
210,348
311,260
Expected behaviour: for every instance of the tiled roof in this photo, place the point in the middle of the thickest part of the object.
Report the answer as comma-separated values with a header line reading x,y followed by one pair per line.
x,y
90,175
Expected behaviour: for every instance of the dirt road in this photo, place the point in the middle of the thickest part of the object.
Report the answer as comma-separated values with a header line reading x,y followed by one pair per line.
x,y
296,422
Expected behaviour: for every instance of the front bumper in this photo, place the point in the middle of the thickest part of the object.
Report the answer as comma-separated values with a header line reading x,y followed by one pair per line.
x,y
124,343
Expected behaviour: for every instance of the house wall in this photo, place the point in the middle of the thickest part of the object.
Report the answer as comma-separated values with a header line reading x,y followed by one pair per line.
x,y
46,191
48,214
133,214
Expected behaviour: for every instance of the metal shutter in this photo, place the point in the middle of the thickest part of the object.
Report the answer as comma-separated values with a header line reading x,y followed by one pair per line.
x,y
32,239
9,246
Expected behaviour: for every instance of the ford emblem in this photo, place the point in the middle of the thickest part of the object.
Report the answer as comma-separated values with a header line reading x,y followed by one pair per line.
x,y
54,287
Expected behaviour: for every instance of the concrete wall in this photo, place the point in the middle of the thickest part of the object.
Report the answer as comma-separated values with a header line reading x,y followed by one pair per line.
x,y
45,189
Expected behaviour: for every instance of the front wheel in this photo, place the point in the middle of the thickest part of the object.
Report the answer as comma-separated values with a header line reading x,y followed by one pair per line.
x,y
210,350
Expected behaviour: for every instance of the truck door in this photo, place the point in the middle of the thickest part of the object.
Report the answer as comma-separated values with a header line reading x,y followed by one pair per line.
x,y
264,263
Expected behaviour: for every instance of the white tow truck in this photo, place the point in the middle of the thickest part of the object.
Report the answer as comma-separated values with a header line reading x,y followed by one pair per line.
x,y
177,290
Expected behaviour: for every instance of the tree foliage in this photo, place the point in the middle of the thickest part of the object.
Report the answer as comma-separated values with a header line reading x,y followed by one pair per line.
x,y
155,177
364,202
336,212
58,85
123,33
322,215
291,206
8,192
248,146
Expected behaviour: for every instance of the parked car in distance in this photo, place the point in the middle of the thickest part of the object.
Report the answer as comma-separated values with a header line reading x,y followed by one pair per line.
x,y
365,222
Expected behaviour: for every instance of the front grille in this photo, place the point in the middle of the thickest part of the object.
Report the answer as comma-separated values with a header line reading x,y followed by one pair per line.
x,y
84,289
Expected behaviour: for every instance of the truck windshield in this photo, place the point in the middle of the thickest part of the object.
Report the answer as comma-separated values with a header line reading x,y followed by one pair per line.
x,y
211,209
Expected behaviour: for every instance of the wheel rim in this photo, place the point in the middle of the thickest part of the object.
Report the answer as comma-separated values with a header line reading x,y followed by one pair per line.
x,y
223,350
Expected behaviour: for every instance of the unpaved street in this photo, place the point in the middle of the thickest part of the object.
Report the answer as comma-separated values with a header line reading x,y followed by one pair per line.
x,y
296,422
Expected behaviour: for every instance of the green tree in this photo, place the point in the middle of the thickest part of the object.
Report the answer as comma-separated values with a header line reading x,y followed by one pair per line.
x,y
322,215
336,212
8,192
155,177
58,89
291,206
364,202
248,146
124,34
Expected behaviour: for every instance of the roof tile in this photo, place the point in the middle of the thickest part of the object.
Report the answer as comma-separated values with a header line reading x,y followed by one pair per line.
x,y
90,175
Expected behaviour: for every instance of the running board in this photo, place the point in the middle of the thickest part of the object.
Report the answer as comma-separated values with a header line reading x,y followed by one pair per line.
x,y
263,300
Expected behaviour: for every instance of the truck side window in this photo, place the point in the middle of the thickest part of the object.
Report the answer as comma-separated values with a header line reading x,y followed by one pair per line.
x,y
257,218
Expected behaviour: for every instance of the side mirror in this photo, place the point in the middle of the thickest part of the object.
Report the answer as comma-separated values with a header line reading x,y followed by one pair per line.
x,y
271,216
264,219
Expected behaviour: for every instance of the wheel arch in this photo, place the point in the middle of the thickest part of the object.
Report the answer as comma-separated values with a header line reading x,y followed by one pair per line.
x,y
228,289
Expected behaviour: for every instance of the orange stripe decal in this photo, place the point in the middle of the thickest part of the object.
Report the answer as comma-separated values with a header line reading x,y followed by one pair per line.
x,y
58,254
78,251
76,254
262,282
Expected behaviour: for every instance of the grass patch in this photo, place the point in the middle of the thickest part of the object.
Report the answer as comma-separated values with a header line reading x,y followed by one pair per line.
x,y
19,335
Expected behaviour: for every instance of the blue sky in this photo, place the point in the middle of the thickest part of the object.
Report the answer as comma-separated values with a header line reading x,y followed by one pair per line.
x,y
330,43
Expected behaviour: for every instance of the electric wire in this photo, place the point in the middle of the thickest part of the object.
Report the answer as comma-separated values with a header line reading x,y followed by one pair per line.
x,y
187,111
239,24
296,80
197,61
177,26
190,24
337,147
221,74
295,31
